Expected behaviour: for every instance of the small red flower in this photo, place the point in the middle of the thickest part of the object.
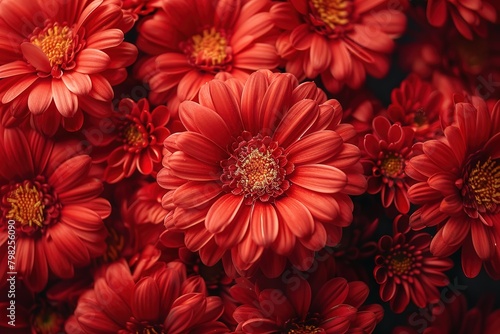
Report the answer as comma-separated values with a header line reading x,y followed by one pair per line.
x,y
387,151
468,16
134,140
419,105
406,269
459,187
159,300
49,197
336,306
191,41
340,40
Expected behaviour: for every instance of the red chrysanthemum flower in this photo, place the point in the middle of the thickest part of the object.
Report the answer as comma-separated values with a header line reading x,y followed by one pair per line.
x,y
417,104
134,9
452,63
340,40
335,306
61,61
387,150
159,300
467,15
48,195
134,140
453,317
459,187
193,40
406,269
257,176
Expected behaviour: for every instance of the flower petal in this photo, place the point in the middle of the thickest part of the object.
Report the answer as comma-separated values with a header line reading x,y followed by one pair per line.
x,y
320,178
264,225
298,219
223,212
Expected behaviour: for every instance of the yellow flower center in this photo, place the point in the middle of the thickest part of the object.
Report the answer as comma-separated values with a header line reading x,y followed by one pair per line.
x,y
26,205
133,135
332,12
55,42
392,165
209,48
258,171
401,264
484,184
305,329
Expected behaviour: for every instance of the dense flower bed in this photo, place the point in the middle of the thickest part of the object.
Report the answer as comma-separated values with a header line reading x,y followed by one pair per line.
x,y
249,166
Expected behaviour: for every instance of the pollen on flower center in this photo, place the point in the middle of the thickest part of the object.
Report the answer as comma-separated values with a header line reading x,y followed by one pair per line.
x,y
56,42
484,184
137,327
308,326
400,263
332,12
26,205
392,165
306,329
133,135
209,50
256,169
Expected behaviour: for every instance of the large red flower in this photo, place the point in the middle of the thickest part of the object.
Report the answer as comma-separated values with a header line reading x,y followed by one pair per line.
x,y
193,40
406,269
257,176
61,60
459,187
296,306
340,40
387,150
48,195
159,300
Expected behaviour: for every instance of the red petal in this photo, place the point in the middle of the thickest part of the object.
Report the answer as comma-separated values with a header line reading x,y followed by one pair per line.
x,y
89,61
77,83
482,239
193,194
146,300
320,178
66,102
205,121
298,219
296,122
36,57
251,99
264,225
222,212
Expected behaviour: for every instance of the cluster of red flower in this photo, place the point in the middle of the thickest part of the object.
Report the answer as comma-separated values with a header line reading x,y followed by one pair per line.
x,y
224,166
